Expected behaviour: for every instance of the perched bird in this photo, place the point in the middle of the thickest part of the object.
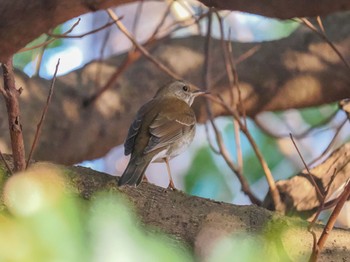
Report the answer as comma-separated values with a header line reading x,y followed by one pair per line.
x,y
163,128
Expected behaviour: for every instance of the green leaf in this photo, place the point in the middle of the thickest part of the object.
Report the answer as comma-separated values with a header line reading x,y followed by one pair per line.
x,y
316,115
205,179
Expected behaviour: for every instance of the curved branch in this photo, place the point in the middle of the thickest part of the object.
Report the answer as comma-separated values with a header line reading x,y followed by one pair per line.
x,y
38,17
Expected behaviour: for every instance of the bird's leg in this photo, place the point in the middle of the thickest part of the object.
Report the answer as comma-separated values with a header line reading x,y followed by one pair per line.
x,y
171,182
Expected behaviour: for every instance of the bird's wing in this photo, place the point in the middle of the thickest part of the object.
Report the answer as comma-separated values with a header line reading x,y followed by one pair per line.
x,y
135,127
166,130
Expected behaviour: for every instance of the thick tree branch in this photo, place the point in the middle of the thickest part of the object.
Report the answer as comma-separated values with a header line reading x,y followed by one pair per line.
x,y
281,9
38,17
200,222
295,72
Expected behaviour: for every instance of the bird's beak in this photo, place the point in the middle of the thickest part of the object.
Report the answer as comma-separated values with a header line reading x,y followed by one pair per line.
x,y
200,93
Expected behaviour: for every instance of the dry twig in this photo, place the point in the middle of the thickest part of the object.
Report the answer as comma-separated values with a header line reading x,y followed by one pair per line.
x,y
25,49
222,149
140,47
38,129
331,221
269,178
318,191
323,35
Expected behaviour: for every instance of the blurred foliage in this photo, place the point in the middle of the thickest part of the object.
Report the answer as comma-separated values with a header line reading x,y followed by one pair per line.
x,y
205,179
316,115
21,60
45,222
267,145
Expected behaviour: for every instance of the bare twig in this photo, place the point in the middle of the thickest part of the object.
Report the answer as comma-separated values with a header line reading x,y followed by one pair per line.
x,y
323,202
38,129
102,49
320,24
162,20
137,17
140,47
222,149
269,178
330,144
331,221
11,95
211,145
40,57
108,24
301,134
234,85
25,49
318,191
326,39
6,164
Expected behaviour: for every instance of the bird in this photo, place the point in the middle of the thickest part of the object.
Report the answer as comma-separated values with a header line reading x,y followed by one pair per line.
x,y
162,129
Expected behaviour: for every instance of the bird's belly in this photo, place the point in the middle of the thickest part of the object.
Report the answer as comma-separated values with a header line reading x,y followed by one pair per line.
x,y
175,148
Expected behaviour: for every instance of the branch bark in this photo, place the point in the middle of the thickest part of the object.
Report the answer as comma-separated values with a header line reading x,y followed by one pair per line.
x,y
295,72
200,222
11,97
38,17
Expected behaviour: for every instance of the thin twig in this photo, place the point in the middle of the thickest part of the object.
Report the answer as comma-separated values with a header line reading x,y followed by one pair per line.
x,y
11,95
40,57
320,24
25,49
122,28
330,144
38,129
108,24
301,134
326,39
318,191
331,221
323,202
102,50
137,17
6,164
162,21
233,80
211,145
269,178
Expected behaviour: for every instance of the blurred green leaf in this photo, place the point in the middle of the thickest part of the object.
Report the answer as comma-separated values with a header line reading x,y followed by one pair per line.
x,y
22,59
205,179
316,115
45,222
267,145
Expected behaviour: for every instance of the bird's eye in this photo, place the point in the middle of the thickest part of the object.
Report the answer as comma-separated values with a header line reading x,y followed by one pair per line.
x,y
185,88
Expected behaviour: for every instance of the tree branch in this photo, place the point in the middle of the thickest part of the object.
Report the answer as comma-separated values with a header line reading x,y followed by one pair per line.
x,y
284,74
11,95
200,222
281,9
38,17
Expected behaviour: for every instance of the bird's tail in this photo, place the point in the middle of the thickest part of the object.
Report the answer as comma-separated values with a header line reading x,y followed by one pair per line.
x,y
133,173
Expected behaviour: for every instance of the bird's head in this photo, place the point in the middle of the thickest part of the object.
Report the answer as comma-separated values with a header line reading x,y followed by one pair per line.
x,y
181,90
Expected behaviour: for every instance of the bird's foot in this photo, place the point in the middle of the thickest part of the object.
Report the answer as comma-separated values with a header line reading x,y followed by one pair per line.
x,y
171,186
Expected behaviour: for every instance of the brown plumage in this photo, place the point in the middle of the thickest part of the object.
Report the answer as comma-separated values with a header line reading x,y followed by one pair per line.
x,y
163,128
